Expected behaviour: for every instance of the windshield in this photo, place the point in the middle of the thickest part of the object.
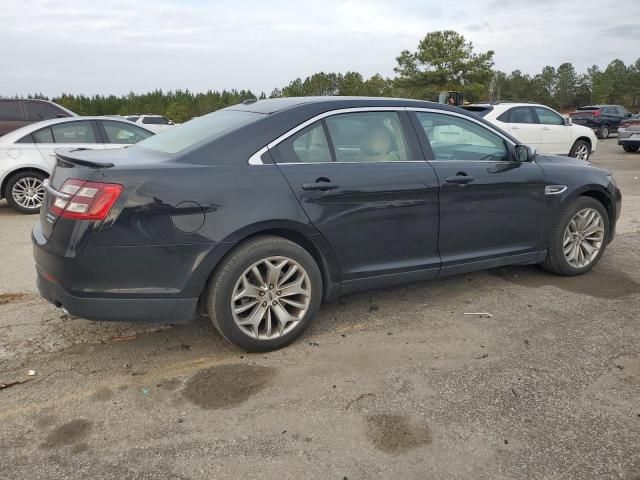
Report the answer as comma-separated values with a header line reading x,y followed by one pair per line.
x,y
480,110
208,127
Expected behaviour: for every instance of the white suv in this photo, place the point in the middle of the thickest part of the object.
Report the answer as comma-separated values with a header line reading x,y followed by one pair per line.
x,y
540,127
157,123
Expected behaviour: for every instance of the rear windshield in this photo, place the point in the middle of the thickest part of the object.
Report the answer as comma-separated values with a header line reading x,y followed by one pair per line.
x,y
480,110
208,127
589,108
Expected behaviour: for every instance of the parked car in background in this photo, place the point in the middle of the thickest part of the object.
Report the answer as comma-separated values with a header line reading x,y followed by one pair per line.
x,y
157,123
16,113
259,211
27,155
629,133
602,119
540,127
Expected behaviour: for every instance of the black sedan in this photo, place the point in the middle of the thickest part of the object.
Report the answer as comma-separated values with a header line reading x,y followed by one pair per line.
x,y
256,213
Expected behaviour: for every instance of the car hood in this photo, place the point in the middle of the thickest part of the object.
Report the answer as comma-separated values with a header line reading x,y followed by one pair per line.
x,y
563,160
581,130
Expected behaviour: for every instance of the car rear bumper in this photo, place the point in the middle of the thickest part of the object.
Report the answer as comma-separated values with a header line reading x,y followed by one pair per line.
x,y
628,137
115,309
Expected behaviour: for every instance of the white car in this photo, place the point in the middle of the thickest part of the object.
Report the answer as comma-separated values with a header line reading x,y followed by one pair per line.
x,y
157,123
27,155
540,127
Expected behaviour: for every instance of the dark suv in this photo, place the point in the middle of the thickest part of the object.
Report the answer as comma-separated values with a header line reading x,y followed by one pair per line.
x,y
16,113
259,211
603,119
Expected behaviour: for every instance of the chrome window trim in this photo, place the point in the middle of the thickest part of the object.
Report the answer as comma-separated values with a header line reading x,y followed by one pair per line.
x,y
256,159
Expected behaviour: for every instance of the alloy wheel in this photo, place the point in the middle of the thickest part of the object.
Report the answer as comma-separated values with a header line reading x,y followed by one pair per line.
x,y
28,192
271,298
582,152
583,238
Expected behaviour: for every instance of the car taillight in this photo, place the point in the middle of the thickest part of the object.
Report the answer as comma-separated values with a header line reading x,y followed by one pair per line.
x,y
82,200
623,124
596,113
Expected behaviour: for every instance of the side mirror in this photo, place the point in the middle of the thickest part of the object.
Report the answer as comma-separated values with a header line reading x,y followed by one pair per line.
x,y
525,153
627,115
567,121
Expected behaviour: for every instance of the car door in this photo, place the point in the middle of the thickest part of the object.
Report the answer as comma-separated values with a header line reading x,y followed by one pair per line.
x,y
118,134
522,124
556,135
360,177
620,114
491,206
72,134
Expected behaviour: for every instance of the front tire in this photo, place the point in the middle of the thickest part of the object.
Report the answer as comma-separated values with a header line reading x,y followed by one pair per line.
x,y
264,294
579,238
25,191
603,132
581,149
630,148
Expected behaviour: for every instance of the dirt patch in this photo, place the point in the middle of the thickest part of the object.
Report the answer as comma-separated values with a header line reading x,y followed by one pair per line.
x,y
171,384
12,297
67,434
397,433
103,394
597,283
226,385
44,420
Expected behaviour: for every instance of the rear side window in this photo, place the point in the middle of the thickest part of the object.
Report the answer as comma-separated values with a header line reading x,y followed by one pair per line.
x,y
309,145
207,127
43,135
10,110
368,137
124,133
37,111
479,110
547,117
520,115
133,119
74,132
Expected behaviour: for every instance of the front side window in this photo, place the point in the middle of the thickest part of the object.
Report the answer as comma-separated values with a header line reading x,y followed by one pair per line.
x,y
37,111
309,145
455,138
547,117
368,137
10,110
123,133
74,132
521,115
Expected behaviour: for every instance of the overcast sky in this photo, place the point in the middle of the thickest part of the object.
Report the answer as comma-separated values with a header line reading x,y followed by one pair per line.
x,y
117,46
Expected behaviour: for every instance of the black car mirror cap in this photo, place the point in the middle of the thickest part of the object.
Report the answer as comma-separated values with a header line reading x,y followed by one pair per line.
x,y
524,153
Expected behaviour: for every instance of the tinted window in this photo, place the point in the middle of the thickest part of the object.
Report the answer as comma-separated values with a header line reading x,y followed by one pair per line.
x,y
10,110
521,115
622,111
307,146
132,119
547,117
155,120
455,138
43,136
120,132
368,137
480,110
74,132
37,111
207,127
608,110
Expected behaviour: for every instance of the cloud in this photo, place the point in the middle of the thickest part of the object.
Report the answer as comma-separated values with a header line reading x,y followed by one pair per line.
x,y
116,46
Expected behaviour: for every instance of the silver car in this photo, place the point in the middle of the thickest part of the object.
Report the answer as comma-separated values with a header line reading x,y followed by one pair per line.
x,y
629,133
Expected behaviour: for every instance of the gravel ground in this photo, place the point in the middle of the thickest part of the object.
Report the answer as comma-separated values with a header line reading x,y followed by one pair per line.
x,y
395,383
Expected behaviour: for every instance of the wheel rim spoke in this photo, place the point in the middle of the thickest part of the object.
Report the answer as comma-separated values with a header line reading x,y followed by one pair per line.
x,y
28,193
271,298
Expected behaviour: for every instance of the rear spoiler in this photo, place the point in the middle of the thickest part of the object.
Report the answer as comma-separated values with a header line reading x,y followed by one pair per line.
x,y
67,155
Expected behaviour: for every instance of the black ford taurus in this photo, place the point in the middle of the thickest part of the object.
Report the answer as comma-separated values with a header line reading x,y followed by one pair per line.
x,y
258,212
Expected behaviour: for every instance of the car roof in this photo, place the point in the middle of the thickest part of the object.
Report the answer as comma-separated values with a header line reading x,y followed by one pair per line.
x,y
15,135
273,105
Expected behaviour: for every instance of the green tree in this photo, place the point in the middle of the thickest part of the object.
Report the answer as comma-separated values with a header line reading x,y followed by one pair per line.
x,y
566,83
177,112
444,60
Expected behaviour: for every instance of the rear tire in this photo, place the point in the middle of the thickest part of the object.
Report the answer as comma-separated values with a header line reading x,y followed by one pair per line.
x,y
25,191
264,294
630,148
603,132
593,229
581,149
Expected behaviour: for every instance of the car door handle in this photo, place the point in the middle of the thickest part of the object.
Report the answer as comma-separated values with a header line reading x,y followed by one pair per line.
x,y
322,186
460,179
515,128
545,128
